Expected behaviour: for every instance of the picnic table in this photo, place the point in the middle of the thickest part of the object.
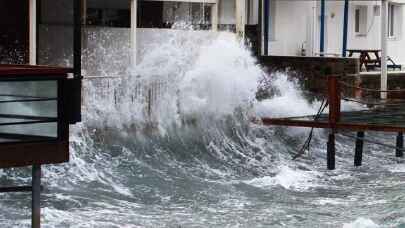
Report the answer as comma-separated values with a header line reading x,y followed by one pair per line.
x,y
370,58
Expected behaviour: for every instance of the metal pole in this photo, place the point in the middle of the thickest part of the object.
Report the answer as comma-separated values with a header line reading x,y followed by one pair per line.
x,y
33,32
322,29
134,9
345,26
260,27
384,35
331,151
266,23
358,153
400,145
36,196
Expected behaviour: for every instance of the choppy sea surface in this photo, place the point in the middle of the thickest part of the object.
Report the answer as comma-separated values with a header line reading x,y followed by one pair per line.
x,y
194,158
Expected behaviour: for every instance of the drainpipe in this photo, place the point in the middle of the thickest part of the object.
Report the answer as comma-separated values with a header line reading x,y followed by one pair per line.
x,y
345,25
322,29
266,23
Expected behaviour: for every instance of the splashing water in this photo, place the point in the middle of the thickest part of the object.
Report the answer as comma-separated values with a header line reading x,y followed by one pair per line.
x,y
172,145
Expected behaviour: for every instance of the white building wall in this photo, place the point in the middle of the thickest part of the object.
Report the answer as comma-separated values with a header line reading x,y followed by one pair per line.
x,y
396,46
292,21
372,40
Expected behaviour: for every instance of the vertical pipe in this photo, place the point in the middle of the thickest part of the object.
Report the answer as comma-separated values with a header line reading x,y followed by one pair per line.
x,y
358,153
322,29
33,32
345,26
134,9
331,151
266,20
384,35
260,27
400,145
38,21
36,196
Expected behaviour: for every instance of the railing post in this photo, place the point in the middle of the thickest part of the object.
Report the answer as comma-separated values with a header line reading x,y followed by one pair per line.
x,y
331,151
334,101
334,117
400,145
358,153
36,196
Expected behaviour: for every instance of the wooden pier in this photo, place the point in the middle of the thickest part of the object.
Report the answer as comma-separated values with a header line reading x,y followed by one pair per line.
x,y
385,116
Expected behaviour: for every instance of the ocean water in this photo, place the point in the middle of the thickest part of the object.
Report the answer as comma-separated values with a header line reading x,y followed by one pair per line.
x,y
187,154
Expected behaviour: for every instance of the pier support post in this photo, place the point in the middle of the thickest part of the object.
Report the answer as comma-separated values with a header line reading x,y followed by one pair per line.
x,y
358,153
400,145
331,151
36,196
334,117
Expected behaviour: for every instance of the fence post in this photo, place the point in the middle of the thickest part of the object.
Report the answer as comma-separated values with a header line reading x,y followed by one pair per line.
x,y
334,117
400,145
36,196
358,153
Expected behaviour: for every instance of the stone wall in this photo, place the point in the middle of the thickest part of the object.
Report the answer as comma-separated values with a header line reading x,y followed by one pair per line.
x,y
311,72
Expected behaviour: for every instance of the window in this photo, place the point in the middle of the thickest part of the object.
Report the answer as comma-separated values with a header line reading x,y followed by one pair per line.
x,y
360,20
112,13
392,20
14,32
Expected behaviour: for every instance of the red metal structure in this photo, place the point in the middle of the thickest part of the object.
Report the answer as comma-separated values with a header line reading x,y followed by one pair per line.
x,y
389,118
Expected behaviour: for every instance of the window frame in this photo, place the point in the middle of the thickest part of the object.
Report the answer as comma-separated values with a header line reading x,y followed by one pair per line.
x,y
361,20
392,30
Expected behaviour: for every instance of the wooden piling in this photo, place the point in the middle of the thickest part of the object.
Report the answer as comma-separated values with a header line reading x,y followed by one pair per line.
x,y
358,153
400,145
334,101
331,151
334,117
36,196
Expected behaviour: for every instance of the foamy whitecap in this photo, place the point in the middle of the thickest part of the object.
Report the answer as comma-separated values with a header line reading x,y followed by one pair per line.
x,y
287,102
361,223
287,178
